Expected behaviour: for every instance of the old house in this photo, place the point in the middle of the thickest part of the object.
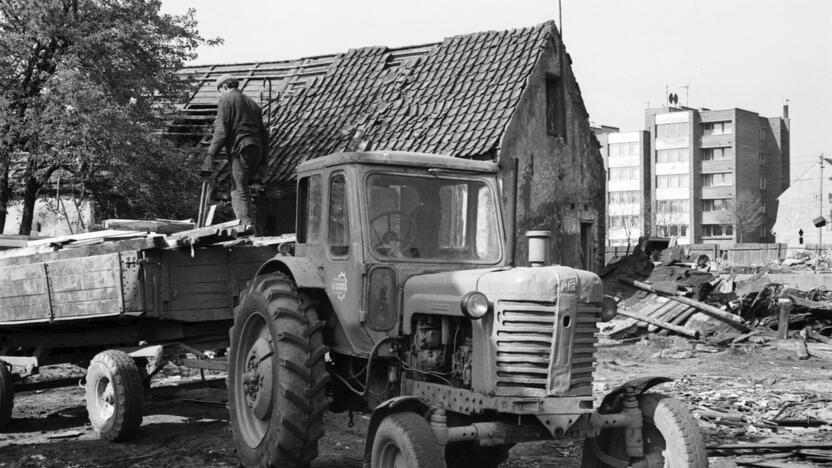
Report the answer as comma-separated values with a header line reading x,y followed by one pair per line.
x,y
802,204
507,96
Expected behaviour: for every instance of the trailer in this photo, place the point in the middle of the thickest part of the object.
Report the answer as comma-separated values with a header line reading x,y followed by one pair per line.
x,y
122,304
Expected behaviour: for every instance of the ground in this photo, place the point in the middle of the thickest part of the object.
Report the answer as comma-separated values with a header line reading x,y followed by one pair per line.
x,y
186,423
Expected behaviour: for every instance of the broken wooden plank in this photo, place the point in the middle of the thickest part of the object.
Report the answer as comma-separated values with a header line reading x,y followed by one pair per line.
x,y
674,328
159,226
733,320
776,446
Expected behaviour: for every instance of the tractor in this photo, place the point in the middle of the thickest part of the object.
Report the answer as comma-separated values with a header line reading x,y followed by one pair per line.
x,y
400,299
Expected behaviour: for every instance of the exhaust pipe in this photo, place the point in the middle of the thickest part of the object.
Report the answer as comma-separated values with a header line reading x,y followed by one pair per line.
x,y
538,247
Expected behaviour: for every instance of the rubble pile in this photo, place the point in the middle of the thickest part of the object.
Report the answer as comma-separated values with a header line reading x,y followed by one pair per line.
x,y
689,296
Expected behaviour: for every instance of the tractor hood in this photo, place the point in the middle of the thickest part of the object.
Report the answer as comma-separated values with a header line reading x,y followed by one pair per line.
x,y
441,293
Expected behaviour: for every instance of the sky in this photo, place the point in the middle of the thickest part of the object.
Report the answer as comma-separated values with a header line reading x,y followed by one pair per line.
x,y
751,54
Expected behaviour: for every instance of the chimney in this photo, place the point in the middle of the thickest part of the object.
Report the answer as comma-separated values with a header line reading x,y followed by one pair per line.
x,y
786,111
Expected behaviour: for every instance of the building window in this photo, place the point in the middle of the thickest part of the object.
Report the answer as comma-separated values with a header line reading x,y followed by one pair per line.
x,y
763,134
717,230
672,155
624,149
718,128
667,230
716,179
625,197
763,205
712,154
762,183
763,231
673,206
672,181
761,156
717,204
672,130
624,173
555,108
624,222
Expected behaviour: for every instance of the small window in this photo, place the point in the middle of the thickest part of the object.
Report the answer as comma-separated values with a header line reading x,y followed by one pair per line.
x,y
763,134
762,183
555,107
339,223
309,209
762,157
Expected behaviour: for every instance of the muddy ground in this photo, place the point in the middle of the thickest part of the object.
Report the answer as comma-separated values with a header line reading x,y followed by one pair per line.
x,y
186,423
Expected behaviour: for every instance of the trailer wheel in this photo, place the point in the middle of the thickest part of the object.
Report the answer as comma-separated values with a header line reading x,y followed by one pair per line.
x,y
6,395
277,376
114,395
405,440
473,455
669,430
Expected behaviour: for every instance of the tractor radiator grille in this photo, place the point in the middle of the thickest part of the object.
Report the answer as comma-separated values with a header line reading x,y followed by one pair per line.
x,y
524,333
583,349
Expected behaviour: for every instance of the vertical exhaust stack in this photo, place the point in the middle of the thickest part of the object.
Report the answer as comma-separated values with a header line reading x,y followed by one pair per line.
x,y
538,247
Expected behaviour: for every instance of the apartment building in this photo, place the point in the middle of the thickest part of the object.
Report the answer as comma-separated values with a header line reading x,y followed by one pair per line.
x,y
707,164
627,160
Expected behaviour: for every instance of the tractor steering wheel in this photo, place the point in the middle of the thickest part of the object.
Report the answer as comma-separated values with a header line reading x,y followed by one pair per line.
x,y
389,234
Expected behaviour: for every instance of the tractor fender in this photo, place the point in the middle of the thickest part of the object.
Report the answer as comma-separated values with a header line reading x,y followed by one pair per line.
x,y
305,273
610,403
398,404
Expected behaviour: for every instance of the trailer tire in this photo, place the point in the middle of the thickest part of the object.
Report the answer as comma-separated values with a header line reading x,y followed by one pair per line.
x,y
473,455
405,436
6,395
668,428
114,395
277,376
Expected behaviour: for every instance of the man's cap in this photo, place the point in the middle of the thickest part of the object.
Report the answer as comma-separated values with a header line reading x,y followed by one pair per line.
x,y
224,79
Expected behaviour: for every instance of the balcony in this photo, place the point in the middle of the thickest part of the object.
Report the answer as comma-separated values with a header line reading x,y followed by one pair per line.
x,y
716,165
715,141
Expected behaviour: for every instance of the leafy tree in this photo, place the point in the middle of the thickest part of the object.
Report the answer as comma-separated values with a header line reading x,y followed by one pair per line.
x,y
84,83
745,212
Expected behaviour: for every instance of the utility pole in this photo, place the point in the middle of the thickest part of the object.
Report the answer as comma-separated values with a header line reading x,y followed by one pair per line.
x,y
820,200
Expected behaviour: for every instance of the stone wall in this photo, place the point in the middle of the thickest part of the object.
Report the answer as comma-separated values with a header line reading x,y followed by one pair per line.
x,y
561,181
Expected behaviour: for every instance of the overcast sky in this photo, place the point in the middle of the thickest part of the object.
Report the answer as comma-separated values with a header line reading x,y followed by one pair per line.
x,y
752,54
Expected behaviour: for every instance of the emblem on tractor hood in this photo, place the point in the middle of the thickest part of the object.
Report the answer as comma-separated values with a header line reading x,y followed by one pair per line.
x,y
339,286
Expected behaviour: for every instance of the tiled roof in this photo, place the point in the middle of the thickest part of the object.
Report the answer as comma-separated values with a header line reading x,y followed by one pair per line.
x,y
455,97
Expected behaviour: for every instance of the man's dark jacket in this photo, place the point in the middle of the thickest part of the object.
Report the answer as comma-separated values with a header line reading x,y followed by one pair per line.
x,y
239,124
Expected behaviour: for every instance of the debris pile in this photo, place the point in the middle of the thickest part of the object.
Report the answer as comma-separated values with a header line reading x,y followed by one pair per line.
x,y
688,296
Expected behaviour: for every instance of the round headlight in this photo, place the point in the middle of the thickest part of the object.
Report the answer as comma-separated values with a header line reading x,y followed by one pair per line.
x,y
475,305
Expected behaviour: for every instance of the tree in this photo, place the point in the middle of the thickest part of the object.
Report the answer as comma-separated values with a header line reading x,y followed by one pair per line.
x,y
85,83
745,212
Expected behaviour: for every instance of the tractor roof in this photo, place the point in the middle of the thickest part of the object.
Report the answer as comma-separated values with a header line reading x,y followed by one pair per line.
x,y
399,158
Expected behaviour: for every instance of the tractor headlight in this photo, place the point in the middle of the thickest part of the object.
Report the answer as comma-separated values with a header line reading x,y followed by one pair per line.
x,y
475,305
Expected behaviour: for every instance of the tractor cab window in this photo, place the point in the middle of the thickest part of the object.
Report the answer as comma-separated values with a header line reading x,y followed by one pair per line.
x,y
339,227
432,218
309,209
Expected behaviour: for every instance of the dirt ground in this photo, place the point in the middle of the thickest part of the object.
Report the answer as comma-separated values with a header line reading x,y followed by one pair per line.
x,y
186,423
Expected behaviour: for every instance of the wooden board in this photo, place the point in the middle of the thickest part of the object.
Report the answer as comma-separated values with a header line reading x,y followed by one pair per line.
x,y
24,294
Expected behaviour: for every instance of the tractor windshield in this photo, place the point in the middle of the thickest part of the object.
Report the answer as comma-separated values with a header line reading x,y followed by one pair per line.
x,y
433,218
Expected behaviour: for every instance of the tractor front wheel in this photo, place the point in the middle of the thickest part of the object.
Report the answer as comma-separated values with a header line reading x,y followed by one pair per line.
x,y
669,432
405,440
277,376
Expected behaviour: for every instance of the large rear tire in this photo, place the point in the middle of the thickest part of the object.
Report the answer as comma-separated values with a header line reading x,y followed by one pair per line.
x,y
277,376
668,429
6,396
405,440
114,395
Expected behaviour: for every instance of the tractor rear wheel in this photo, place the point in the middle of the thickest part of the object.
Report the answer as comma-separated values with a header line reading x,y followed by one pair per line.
x,y
114,395
669,430
405,440
277,376
6,395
